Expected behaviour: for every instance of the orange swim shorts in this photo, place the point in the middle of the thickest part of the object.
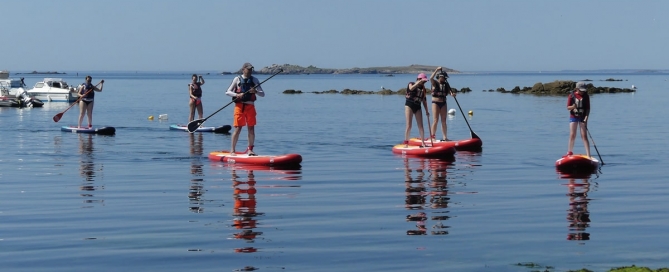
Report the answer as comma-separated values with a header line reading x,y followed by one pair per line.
x,y
245,115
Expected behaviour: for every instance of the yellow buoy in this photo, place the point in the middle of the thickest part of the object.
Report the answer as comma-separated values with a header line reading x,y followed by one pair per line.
x,y
151,117
471,112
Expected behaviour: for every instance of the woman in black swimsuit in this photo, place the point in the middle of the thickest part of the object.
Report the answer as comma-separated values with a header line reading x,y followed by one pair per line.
x,y
415,96
87,93
440,89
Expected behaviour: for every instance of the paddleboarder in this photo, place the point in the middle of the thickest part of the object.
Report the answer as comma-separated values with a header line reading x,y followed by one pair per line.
x,y
440,89
244,94
195,92
87,93
415,96
578,104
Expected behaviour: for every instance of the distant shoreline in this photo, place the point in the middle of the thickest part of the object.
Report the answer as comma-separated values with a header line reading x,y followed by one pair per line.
x,y
383,70
42,73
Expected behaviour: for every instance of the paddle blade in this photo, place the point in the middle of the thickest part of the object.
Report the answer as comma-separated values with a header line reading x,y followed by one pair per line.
x,y
57,117
194,125
474,135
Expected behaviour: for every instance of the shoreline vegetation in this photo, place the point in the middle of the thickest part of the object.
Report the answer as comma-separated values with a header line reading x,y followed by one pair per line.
x,y
558,87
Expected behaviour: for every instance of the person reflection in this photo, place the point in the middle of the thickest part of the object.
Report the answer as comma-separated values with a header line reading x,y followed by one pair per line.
x,y
416,193
578,215
244,209
196,204
87,169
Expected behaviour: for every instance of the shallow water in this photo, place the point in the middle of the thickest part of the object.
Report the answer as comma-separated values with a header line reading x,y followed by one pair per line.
x,y
148,198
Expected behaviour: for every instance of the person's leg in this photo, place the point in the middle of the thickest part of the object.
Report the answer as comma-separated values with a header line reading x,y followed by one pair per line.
x,y
584,136
82,111
252,137
442,117
235,137
572,136
199,108
408,116
250,113
89,110
419,123
435,119
191,106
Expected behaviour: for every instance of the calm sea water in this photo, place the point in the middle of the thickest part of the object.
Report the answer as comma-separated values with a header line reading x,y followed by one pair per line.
x,y
149,199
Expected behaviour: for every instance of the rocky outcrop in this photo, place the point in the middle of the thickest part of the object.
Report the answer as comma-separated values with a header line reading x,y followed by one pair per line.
x,y
561,87
402,91
389,70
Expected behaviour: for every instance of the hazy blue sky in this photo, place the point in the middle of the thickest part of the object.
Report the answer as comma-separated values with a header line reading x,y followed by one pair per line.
x,y
218,35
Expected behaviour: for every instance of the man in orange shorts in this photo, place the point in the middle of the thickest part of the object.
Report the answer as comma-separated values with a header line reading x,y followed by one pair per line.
x,y
244,89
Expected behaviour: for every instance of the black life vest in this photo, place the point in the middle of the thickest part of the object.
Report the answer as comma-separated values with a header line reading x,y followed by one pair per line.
x,y
580,110
244,86
440,90
416,95
197,89
86,87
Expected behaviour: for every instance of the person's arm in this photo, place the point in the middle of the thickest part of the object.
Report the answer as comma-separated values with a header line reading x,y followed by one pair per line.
x,y
231,90
102,84
258,90
433,81
201,80
190,91
570,106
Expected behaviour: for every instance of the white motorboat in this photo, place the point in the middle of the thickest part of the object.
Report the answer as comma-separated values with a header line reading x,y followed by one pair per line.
x,y
13,93
54,89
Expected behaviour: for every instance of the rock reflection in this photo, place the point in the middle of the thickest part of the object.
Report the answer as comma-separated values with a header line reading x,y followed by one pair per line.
x,y
88,170
196,203
426,188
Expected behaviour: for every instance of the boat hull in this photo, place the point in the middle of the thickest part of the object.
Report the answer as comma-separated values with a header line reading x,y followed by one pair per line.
x,y
577,163
221,129
243,158
94,130
472,144
425,152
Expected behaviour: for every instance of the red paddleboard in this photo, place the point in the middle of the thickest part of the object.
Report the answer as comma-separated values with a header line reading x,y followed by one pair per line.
x,y
576,162
428,151
238,157
472,144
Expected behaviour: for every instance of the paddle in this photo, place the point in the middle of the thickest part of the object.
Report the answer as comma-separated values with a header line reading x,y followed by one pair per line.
x,y
429,124
593,143
195,124
59,115
463,116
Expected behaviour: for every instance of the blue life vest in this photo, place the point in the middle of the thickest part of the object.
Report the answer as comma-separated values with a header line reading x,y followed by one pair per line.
x,y
244,86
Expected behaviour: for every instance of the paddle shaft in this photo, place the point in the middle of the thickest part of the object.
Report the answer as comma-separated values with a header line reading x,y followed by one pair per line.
x,y
593,143
463,116
429,124
198,123
57,117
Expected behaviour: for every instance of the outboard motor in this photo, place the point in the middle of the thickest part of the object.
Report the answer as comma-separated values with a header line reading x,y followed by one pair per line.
x,y
24,98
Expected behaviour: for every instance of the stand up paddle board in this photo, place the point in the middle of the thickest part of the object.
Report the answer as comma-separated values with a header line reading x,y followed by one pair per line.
x,y
222,129
238,157
576,162
472,144
428,151
92,130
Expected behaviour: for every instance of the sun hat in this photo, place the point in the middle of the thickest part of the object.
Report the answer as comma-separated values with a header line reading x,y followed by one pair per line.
x,y
422,76
581,86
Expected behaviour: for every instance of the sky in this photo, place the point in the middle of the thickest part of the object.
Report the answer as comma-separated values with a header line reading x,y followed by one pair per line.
x,y
221,35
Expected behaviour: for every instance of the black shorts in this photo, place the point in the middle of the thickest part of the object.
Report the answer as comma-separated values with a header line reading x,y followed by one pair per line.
x,y
415,107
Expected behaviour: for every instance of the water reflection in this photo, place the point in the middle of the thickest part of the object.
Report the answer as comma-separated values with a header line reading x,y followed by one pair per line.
x,y
245,213
426,188
578,214
196,204
88,170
